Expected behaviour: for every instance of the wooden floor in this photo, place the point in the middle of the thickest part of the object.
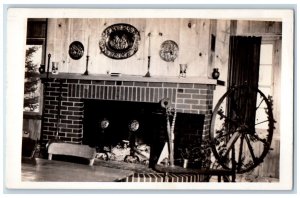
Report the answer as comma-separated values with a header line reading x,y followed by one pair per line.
x,y
48,171
44,170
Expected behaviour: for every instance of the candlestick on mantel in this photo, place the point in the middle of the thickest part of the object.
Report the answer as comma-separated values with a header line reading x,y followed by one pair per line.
x,y
87,58
149,46
88,46
86,66
49,57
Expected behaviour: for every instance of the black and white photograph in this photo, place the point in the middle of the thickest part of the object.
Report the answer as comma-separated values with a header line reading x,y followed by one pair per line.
x,y
149,99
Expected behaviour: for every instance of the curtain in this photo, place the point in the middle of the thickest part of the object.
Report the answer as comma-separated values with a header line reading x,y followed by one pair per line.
x,y
244,60
244,69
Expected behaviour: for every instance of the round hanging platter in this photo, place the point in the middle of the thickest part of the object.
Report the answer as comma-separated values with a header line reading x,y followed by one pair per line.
x,y
76,50
168,51
119,41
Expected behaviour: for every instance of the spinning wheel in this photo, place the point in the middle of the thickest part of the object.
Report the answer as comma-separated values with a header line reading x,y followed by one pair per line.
x,y
242,128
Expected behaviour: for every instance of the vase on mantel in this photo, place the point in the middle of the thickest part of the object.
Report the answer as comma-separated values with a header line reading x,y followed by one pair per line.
x,y
215,73
42,69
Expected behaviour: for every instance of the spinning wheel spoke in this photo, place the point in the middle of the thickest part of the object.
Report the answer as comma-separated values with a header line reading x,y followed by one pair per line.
x,y
240,152
250,148
231,143
260,103
262,122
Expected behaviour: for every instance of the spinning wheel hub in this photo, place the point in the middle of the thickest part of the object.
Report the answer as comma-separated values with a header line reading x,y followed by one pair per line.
x,y
244,129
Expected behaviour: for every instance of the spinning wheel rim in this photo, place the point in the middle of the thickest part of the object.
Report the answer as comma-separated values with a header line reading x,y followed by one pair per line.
x,y
242,133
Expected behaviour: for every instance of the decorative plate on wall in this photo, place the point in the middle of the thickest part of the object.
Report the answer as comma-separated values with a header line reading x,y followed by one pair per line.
x,y
169,51
119,41
76,50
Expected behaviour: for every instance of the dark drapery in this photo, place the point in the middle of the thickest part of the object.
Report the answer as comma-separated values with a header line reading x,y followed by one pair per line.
x,y
244,60
244,68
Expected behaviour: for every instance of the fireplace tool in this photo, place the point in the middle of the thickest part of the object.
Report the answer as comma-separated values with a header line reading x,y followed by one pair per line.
x,y
166,103
101,151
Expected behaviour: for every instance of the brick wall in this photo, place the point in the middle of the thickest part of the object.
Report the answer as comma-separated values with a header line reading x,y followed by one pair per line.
x,y
186,97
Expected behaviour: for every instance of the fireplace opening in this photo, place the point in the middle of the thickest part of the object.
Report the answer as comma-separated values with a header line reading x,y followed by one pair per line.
x,y
116,127
115,138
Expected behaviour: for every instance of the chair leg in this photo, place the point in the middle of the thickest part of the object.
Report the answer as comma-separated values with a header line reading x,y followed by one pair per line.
x,y
233,177
92,162
219,178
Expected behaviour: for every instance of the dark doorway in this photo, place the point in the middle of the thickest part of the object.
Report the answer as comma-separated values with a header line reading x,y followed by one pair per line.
x,y
244,53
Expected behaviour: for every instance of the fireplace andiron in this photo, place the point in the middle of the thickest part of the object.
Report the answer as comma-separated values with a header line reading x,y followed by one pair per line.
x,y
133,126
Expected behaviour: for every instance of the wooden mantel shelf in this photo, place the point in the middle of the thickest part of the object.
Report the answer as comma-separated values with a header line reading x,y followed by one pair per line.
x,y
135,78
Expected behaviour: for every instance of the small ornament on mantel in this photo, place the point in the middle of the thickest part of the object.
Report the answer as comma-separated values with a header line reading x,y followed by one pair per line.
x,y
215,73
149,57
55,67
42,69
183,68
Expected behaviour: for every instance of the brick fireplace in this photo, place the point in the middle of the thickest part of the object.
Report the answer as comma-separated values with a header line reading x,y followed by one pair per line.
x,y
187,95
